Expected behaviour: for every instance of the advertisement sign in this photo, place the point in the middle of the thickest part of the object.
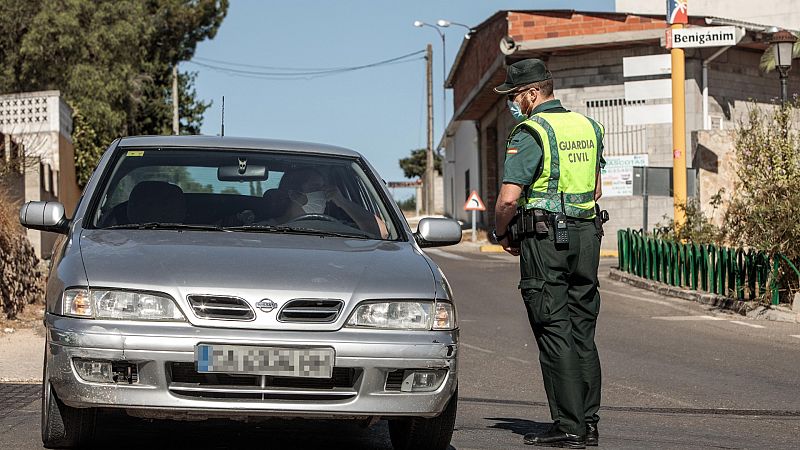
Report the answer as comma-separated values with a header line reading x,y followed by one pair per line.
x,y
677,11
617,176
697,37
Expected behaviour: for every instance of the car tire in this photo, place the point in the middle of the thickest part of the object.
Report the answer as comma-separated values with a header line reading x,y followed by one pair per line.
x,y
414,433
62,425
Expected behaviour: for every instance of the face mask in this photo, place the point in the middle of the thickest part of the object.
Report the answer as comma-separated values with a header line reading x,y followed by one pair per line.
x,y
516,111
315,202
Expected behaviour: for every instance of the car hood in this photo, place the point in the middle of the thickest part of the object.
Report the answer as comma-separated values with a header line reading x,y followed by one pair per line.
x,y
256,266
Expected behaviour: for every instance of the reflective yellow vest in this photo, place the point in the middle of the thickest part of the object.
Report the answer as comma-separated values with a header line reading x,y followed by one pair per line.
x,y
570,145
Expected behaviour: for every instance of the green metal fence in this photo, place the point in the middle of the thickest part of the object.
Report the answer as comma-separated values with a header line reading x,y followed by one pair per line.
x,y
736,273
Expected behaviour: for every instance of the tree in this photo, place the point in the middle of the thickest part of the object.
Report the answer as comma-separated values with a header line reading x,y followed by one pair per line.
x,y
414,165
765,205
111,59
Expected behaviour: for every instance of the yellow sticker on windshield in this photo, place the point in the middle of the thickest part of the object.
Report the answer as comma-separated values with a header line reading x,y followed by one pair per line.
x,y
136,153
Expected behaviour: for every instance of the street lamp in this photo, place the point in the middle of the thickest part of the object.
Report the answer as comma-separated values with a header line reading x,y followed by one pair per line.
x,y
420,24
446,23
783,43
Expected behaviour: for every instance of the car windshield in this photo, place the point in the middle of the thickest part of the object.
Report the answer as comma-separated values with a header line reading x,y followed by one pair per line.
x,y
251,191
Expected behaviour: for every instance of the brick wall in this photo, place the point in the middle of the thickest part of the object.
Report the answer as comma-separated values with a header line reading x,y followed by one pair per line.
x,y
524,26
482,50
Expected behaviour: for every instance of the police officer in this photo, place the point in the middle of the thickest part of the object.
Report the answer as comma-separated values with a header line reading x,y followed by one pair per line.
x,y
553,160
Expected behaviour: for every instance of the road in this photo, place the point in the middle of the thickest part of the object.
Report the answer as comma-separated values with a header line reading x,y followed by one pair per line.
x,y
675,375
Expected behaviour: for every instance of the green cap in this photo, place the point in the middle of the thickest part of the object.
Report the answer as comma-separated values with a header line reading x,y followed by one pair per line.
x,y
523,73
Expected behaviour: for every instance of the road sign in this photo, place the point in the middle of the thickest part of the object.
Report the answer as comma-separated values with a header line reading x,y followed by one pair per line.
x,y
677,11
474,203
404,184
700,37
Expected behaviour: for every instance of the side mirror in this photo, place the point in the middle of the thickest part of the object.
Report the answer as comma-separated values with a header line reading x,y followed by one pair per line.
x,y
44,216
437,232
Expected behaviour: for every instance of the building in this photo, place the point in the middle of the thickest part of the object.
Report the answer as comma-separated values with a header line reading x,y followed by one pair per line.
x,y
37,152
593,56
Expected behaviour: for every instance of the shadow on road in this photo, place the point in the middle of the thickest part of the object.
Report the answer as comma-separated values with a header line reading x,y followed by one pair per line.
x,y
519,426
118,431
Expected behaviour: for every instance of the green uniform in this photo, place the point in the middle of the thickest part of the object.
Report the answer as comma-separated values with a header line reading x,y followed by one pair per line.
x,y
559,283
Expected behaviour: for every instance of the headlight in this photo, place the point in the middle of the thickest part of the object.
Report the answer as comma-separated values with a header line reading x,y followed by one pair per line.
x,y
125,305
404,315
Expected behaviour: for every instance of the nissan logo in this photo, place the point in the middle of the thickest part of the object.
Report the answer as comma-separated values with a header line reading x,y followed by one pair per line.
x,y
266,305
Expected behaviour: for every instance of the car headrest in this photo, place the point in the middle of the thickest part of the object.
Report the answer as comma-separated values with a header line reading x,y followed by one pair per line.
x,y
156,201
276,201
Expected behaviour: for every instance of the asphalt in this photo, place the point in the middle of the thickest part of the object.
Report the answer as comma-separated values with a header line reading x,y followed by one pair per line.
x,y
676,374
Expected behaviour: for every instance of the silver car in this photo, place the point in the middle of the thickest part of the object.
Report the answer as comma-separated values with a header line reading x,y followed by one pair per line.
x,y
206,277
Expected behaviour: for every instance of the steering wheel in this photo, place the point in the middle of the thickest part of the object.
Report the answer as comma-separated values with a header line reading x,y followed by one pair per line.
x,y
315,216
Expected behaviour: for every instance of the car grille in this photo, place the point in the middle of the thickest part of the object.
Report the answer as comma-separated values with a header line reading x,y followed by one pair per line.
x,y
221,307
310,310
186,381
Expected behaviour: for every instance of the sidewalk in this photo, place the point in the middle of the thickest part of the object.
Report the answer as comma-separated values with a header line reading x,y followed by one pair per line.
x,y
751,309
22,355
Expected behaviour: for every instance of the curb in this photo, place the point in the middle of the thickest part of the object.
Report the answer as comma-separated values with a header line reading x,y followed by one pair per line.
x,y
746,308
492,248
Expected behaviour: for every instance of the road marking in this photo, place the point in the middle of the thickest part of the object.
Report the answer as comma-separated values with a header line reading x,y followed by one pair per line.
x,y
795,336
477,348
508,260
688,318
747,324
518,360
633,297
445,254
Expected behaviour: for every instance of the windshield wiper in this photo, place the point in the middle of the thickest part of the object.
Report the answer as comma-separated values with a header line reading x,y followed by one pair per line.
x,y
295,230
164,226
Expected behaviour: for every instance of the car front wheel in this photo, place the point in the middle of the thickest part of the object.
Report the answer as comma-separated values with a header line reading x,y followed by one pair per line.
x,y
62,425
411,433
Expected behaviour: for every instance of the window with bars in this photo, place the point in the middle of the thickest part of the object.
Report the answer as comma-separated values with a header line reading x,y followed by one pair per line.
x,y
619,138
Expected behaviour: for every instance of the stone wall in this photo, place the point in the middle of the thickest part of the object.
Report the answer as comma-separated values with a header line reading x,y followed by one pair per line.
x,y
714,157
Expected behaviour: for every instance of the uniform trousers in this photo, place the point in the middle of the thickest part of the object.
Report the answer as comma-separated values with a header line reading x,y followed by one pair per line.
x,y
559,287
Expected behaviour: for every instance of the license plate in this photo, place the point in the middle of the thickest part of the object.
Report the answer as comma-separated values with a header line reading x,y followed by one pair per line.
x,y
272,361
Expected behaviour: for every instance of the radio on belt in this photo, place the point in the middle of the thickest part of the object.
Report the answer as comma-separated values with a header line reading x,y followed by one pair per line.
x,y
560,228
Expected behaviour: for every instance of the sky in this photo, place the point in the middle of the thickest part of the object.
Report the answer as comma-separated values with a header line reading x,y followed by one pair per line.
x,y
379,111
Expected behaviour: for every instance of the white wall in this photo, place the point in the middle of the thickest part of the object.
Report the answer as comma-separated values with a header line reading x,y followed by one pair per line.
x,y
461,154
782,13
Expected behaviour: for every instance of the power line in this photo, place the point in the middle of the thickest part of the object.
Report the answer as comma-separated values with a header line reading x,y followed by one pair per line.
x,y
256,66
300,73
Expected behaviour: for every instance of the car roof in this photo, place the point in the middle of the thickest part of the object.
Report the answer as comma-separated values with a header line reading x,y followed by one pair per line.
x,y
222,142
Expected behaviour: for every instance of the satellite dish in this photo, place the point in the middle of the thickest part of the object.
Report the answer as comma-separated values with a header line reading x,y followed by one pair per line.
x,y
507,45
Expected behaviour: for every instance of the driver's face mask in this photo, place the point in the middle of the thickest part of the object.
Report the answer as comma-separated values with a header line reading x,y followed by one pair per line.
x,y
315,202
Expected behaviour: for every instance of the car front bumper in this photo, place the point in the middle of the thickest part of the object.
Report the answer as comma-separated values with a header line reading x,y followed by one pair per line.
x,y
154,348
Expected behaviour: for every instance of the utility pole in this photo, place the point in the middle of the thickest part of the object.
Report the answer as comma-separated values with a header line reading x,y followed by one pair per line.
x,y
429,153
176,124
678,133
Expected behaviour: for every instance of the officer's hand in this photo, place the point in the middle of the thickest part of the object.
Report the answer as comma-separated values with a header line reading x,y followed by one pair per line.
x,y
513,251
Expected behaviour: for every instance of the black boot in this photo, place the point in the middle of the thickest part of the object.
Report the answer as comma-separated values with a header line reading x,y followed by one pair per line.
x,y
555,438
592,435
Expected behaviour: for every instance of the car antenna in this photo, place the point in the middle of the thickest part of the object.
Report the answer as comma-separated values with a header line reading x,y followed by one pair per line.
x,y
222,132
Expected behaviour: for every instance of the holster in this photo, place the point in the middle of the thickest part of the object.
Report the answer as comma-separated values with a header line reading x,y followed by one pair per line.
x,y
527,223
600,217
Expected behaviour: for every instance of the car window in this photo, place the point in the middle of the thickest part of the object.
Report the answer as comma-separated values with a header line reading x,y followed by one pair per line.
x,y
243,191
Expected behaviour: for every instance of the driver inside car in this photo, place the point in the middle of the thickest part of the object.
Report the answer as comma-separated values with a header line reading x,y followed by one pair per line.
x,y
303,193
